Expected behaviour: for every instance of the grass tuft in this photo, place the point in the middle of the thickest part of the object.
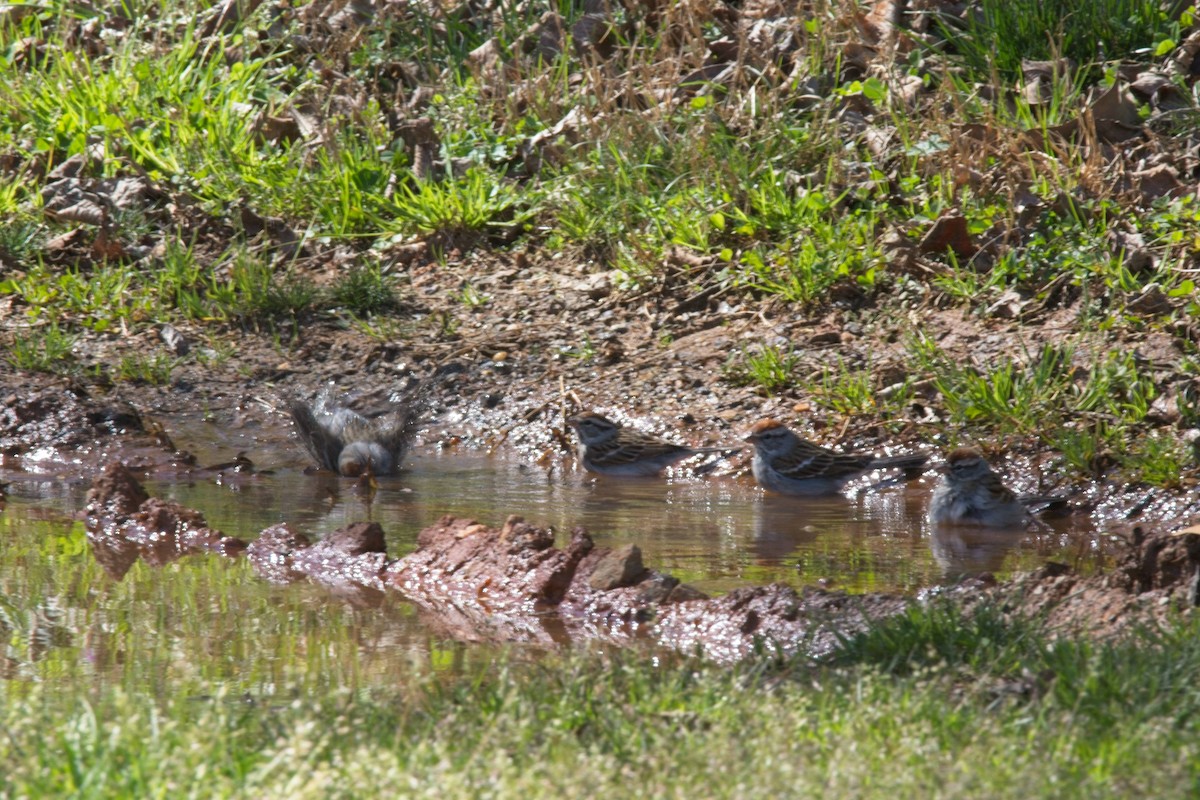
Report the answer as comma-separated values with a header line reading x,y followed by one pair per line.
x,y
1000,34
44,349
771,368
365,290
153,370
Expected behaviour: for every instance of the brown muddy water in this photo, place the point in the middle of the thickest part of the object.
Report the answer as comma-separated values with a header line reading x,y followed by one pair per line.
x,y
717,533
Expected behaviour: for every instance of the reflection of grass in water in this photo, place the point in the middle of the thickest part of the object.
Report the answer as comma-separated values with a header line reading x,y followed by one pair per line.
x,y
202,619
972,704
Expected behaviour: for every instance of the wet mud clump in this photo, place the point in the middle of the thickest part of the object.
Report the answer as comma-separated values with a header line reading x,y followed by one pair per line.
x,y
124,524
480,583
350,561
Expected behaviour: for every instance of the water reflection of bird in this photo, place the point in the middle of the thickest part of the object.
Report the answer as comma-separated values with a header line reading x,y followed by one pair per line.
x,y
782,525
963,551
607,448
785,463
970,493
344,441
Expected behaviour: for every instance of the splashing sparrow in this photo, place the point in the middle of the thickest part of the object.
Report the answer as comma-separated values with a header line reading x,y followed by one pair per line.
x,y
969,493
607,448
344,441
785,463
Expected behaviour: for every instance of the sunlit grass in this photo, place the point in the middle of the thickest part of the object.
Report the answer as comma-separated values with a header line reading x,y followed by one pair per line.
x,y
365,290
286,703
1092,416
769,367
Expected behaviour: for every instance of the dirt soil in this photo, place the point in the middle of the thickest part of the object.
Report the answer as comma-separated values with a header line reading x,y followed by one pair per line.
x,y
504,375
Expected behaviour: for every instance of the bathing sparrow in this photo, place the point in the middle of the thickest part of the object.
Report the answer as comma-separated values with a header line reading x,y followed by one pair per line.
x,y
607,448
969,493
785,463
344,441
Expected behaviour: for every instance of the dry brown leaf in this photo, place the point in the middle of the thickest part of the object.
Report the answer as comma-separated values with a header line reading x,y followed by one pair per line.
x,y
228,15
949,231
84,211
107,248
1041,78
1156,181
65,241
1118,104
720,74
352,16
127,193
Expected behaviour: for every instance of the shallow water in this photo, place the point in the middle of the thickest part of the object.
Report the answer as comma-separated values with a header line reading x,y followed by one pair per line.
x,y
718,533
215,617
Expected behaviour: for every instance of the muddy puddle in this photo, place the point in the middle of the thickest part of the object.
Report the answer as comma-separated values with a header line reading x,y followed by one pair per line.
x,y
715,533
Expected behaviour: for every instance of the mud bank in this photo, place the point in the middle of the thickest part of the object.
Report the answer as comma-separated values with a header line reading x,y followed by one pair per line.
x,y
479,583
1157,576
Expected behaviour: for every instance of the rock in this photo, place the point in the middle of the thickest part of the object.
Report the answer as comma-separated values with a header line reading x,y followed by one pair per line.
x,y
271,552
116,492
351,560
1009,305
357,539
463,562
1165,409
173,339
653,590
621,567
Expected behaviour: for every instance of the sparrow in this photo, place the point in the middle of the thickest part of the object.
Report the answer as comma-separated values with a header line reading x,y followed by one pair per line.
x,y
607,448
969,493
344,441
785,463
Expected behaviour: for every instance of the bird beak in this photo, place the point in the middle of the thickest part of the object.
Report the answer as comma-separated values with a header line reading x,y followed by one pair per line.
x,y
750,437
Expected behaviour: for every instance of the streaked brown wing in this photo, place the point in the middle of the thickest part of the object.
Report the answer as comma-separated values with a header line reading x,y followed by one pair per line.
x,y
320,443
996,487
632,446
652,447
810,460
850,464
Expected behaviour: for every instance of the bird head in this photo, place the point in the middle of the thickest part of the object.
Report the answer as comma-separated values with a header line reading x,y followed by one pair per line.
x,y
771,437
358,458
966,464
594,428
